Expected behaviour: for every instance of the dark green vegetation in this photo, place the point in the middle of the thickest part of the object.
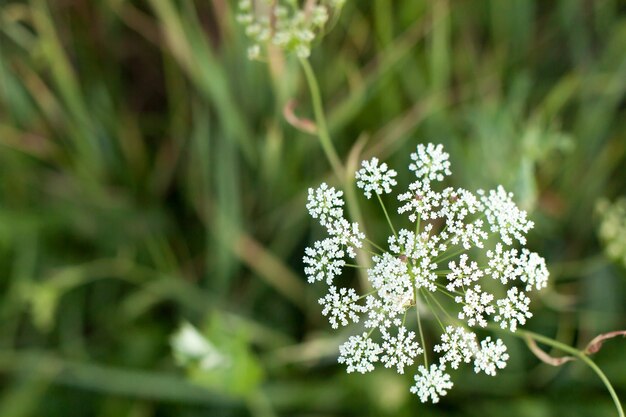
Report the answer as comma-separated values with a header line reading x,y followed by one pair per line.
x,y
147,177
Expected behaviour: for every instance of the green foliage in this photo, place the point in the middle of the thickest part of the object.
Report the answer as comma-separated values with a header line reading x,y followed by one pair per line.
x,y
222,361
148,177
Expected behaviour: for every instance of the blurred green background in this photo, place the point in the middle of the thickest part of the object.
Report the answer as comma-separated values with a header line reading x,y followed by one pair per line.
x,y
149,179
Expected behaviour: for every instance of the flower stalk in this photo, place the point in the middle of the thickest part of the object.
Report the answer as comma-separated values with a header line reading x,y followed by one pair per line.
x,y
320,120
579,355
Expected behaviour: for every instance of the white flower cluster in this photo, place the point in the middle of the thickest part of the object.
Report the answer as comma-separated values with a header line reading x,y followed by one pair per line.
x,y
456,261
430,162
431,383
284,24
340,306
375,178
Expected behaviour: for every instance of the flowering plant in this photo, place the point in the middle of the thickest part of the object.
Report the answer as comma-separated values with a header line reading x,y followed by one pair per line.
x,y
284,24
461,260
457,262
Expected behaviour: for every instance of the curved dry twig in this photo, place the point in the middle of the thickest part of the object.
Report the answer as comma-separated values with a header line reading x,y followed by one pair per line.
x,y
593,347
302,124
597,342
543,356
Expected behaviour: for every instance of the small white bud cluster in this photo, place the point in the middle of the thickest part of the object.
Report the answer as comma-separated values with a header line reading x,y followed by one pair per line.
x,y
284,24
612,229
472,234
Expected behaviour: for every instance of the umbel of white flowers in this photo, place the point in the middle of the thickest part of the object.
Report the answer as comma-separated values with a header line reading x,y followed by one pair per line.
x,y
456,262
284,23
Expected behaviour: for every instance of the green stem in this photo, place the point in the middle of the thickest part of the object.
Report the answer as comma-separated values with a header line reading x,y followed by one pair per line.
x,y
367,294
369,251
451,255
330,151
380,200
419,326
450,318
444,290
375,245
580,355
320,119
426,294
417,225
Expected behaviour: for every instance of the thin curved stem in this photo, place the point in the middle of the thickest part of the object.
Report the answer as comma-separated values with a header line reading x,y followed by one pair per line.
x,y
367,294
329,149
320,119
426,295
419,326
451,255
444,290
580,355
418,223
380,200
453,320
375,245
